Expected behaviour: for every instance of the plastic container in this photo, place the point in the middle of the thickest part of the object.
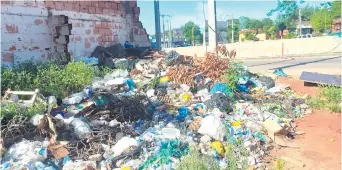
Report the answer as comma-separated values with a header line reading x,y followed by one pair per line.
x,y
73,99
82,129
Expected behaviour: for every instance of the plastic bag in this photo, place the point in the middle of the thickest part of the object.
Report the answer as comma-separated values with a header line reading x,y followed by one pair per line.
x,y
123,144
212,127
70,165
27,151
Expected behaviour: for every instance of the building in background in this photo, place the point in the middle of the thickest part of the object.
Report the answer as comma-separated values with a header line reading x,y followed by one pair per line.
x,y
336,26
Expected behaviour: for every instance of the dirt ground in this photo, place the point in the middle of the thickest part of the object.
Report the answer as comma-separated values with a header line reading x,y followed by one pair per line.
x,y
320,146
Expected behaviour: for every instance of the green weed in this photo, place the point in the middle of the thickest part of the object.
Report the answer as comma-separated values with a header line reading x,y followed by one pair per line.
x,y
231,77
10,110
329,97
279,164
51,78
236,155
196,161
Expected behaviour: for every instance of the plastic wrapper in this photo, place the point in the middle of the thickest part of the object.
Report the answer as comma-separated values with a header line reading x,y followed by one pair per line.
x,y
27,151
82,129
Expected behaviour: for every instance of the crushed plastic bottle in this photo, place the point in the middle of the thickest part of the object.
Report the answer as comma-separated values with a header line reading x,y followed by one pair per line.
x,y
82,129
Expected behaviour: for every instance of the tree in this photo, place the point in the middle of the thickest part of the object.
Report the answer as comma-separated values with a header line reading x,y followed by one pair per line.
x,y
244,22
287,11
236,32
307,12
187,32
267,23
336,9
321,20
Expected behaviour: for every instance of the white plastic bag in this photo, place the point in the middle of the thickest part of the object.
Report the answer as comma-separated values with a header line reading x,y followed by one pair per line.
x,y
212,127
123,144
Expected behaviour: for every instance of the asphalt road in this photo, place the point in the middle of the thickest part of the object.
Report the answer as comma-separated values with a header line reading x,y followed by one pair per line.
x,y
295,66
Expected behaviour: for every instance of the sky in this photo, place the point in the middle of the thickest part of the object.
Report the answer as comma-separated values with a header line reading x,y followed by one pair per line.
x,y
184,11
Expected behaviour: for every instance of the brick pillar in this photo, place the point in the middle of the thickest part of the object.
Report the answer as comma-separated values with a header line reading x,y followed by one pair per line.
x,y
60,30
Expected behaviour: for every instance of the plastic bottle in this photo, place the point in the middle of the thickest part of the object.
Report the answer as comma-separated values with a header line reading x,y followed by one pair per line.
x,y
81,128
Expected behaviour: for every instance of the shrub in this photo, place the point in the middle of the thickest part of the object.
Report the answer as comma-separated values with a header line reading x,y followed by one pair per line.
x,y
51,78
10,110
196,161
329,97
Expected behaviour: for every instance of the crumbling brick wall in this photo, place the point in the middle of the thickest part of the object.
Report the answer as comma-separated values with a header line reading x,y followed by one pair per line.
x,y
26,34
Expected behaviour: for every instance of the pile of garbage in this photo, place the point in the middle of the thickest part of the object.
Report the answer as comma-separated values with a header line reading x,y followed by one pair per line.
x,y
151,117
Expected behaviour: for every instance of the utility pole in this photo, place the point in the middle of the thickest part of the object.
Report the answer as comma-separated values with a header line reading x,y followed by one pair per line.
x,y
163,30
170,32
228,27
212,24
232,29
157,23
193,38
300,21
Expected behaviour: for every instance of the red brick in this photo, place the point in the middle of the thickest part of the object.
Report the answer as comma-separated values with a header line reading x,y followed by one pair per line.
x,y
92,39
38,21
49,4
7,57
102,31
120,7
95,31
12,29
82,3
88,32
12,48
76,24
114,6
59,5
99,10
35,48
98,25
117,13
132,4
86,44
84,9
69,7
108,32
30,3
94,4
87,3
76,7
6,2
92,10
104,25
102,4
110,38
78,38
105,11
108,4
136,10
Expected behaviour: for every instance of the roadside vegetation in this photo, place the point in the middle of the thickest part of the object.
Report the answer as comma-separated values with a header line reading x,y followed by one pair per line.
x,y
50,78
329,97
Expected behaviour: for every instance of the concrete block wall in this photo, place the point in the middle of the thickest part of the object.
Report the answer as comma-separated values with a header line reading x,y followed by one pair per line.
x,y
274,48
26,35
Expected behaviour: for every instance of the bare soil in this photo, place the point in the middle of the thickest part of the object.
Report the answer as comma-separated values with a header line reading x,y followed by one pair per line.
x,y
320,146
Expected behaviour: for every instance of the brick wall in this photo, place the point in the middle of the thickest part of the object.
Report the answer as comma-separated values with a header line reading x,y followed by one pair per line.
x,y
26,34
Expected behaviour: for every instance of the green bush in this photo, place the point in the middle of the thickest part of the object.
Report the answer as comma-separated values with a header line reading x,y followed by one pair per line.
x,y
197,161
51,78
329,97
10,110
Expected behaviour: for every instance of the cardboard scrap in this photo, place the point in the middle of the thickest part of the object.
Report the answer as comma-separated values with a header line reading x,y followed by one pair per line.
x,y
58,150
277,133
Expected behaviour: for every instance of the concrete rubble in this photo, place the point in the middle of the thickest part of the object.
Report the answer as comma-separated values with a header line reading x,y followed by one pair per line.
x,y
152,115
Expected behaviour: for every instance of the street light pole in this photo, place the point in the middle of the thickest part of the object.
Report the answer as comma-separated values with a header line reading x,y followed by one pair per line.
x,y
232,29
157,23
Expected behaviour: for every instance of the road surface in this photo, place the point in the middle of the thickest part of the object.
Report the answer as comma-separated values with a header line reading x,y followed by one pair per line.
x,y
295,66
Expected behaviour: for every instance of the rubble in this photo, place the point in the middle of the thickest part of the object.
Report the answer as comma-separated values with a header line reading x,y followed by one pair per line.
x,y
148,117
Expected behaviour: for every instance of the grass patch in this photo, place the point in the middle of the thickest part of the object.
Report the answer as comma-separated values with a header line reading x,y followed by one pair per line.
x,y
197,161
237,157
329,97
51,78
279,164
10,110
